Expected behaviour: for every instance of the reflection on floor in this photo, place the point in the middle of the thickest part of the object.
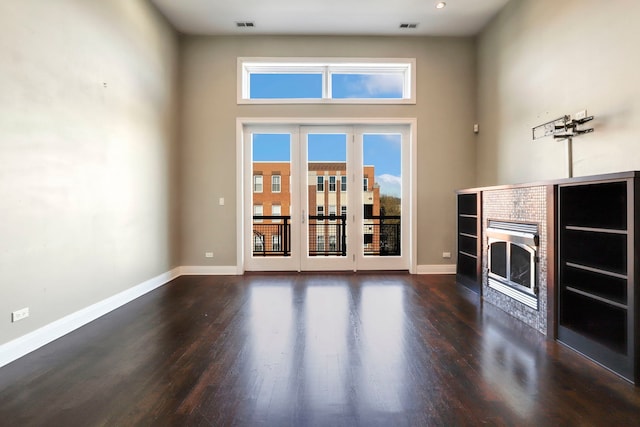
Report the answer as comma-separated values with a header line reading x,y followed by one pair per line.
x,y
311,349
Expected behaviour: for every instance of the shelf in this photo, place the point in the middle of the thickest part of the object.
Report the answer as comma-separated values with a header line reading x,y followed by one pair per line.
x,y
595,230
467,216
606,252
467,266
467,225
471,236
468,204
595,320
467,244
596,270
595,297
596,205
468,254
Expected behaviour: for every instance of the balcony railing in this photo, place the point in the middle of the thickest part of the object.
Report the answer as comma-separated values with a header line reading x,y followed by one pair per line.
x,y
271,235
327,235
381,235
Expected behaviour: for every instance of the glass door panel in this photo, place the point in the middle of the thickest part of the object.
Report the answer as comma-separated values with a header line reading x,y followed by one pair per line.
x,y
382,194
325,199
271,241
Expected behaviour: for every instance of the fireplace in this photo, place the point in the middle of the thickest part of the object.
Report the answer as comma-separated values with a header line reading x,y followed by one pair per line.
x,y
512,260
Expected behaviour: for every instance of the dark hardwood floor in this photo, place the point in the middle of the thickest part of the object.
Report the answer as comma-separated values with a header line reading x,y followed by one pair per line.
x,y
311,350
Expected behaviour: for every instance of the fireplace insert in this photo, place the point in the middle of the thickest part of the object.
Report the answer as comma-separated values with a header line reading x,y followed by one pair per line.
x,y
512,260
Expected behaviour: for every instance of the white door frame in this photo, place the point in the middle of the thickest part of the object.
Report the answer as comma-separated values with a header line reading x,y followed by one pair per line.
x,y
410,194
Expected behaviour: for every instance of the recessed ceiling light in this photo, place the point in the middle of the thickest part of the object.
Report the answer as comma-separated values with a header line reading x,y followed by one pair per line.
x,y
441,5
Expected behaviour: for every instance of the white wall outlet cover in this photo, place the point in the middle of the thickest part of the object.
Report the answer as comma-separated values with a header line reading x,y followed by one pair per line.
x,y
20,314
580,115
208,254
221,201
446,254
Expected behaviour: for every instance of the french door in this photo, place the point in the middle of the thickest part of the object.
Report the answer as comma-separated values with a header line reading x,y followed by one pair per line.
x,y
326,198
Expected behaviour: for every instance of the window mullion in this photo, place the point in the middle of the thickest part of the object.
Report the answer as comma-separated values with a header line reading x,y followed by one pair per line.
x,y
326,80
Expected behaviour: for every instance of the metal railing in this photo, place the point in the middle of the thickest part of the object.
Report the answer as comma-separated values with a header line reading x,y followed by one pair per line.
x,y
271,235
382,235
327,235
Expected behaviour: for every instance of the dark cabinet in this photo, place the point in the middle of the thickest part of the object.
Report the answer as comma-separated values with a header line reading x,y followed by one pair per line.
x,y
468,270
597,270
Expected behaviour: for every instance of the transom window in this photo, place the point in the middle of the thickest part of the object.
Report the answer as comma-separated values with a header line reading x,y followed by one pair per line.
x,y
326,80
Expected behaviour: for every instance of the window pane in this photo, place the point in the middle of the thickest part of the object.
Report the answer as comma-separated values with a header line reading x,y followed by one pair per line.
x,y
332,184
257,183
257,211
320,183
275,183
367,86
279,86
343,183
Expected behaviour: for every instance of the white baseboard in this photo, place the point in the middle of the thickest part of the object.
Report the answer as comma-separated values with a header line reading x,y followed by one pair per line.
x,y
211,270
437,269
32,341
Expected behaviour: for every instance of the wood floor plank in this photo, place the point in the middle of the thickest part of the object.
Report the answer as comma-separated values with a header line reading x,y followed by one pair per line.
x,y
369,349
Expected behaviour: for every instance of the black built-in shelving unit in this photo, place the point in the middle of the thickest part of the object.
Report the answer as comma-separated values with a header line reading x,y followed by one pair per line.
x,y
468,271
597,269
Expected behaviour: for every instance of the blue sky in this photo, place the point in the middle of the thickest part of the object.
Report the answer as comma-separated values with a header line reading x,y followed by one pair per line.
x,y
273,86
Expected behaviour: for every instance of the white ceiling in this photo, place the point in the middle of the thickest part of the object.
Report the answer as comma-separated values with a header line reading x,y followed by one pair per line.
x,y
329,17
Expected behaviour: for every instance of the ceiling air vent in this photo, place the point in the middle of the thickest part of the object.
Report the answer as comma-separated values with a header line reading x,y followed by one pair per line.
x,y
245,24
409,26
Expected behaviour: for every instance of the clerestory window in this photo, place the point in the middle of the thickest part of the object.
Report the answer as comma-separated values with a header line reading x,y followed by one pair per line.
x,y
326,80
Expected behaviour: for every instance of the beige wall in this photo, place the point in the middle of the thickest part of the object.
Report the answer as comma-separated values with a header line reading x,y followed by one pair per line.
x,y
541,59
445,111
87,180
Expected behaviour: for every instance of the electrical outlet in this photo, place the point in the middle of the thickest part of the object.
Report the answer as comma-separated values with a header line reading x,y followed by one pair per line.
x,y
446,254
20,314
580,115
221,201
208,254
